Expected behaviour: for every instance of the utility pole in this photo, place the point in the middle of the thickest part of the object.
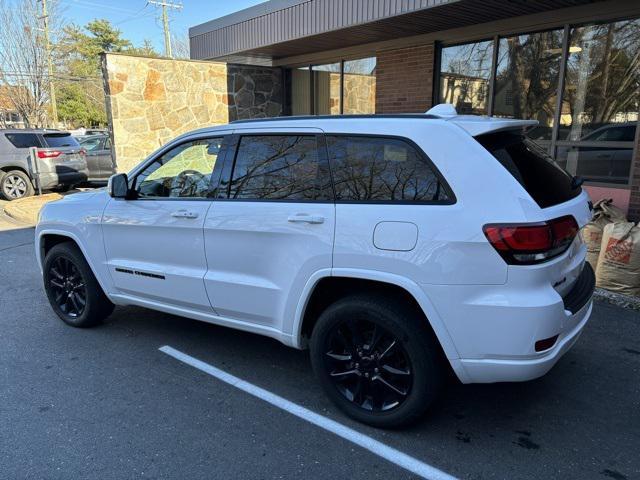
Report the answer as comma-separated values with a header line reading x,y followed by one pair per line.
x,y
52,92
165,4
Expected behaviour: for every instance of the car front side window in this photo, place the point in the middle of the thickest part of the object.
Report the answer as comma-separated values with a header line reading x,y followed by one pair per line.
x,y
182,172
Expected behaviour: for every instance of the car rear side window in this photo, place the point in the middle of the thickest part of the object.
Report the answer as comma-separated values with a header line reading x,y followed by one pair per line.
x,y
23,140
58,140
532,167
276,167
381,169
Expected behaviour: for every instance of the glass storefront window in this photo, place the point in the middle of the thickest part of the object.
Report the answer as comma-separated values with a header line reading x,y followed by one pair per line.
x,y
527,75
321,89
591,130
359,86
601,101
602,85
300,94
326,89
465,72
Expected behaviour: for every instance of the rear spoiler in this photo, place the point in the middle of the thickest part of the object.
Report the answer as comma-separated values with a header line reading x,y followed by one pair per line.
x,y
476,125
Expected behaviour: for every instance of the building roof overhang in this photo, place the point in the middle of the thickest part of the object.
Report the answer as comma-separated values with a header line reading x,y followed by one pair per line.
x,y
286,28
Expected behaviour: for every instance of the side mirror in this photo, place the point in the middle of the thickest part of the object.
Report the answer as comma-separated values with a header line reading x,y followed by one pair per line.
x,y
118,186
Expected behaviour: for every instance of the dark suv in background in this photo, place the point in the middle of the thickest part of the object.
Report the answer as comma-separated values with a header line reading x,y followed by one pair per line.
x,y
61,162
100,160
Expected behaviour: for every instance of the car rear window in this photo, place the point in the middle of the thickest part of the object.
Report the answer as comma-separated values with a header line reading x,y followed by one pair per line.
x,y
55,140
23,140
532,167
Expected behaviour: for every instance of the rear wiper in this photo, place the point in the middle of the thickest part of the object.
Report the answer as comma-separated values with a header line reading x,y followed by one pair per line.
x,y
576,182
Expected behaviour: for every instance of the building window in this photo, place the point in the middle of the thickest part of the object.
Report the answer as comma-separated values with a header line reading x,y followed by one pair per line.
x,y
326,89
601,100
526,85
590,130
347,87
300,91
359,86
464,76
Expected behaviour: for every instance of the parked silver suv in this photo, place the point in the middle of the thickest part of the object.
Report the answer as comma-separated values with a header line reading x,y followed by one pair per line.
x,y
61,161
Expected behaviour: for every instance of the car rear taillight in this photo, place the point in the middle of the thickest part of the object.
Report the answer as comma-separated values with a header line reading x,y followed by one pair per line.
x,y
49,153
526,244
82,152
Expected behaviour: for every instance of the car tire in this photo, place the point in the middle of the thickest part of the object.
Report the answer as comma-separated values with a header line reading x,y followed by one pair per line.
x,y
386,388
72,289
15,184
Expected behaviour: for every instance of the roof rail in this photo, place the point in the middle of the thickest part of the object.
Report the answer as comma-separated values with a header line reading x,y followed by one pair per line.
x,y
421,116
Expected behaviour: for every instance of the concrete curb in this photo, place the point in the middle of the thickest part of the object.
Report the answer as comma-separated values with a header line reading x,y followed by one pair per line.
x,y
26,210
617,299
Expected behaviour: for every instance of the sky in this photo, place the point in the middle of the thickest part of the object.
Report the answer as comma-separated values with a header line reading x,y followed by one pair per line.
x,y
139,22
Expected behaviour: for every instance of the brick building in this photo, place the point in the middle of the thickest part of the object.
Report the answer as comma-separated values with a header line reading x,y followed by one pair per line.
x,y
573,65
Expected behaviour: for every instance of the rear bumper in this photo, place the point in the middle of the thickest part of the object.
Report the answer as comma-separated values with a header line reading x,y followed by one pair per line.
x,y
495,328
512,370
51,180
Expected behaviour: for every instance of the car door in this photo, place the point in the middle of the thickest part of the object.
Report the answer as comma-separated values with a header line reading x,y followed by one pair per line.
x,y
272,227
154,242
93,146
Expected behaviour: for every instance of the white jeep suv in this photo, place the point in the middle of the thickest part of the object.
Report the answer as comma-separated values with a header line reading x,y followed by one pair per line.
x,y
394,247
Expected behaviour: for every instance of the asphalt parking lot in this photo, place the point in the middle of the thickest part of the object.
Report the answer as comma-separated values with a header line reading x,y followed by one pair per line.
x,y
107,403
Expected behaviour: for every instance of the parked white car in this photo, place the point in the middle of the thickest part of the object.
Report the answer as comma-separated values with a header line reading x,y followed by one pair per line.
x,y
395,247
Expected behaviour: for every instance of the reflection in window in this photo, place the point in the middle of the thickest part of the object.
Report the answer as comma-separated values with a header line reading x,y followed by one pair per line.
x,y
603,78
184,171
381,169
360,86
527,74
601,101
326,89
464,76
300,96
596,164
276,167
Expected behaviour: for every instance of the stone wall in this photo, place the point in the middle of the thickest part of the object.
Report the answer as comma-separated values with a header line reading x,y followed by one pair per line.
x,y
255,92
152,100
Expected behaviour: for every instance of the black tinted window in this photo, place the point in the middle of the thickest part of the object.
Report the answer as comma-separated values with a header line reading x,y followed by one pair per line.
x,y
23,140
60,140
382,169
276,167
532,167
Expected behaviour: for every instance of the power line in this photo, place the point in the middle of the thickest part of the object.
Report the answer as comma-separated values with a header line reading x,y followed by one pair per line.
x,y
165,4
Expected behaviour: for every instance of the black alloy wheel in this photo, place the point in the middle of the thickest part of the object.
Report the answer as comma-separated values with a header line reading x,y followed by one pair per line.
x,y
68,286
72,289
368,365
377,359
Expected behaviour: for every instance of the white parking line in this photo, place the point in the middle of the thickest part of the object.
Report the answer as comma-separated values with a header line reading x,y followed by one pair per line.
x,y
403,460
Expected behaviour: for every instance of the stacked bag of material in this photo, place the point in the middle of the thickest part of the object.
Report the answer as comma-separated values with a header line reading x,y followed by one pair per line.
x,y
613,246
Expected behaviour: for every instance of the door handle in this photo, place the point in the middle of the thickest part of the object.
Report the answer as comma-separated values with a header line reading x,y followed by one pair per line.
x,y
305,218
184,214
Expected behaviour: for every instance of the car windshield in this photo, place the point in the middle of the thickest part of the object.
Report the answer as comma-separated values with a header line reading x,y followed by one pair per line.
x,y
55,140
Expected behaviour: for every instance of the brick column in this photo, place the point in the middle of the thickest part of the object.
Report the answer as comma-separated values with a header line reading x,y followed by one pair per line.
x,y
404,80
634,201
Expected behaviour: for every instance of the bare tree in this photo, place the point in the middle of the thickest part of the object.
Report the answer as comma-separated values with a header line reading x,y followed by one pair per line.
x,y
181,47
23,60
